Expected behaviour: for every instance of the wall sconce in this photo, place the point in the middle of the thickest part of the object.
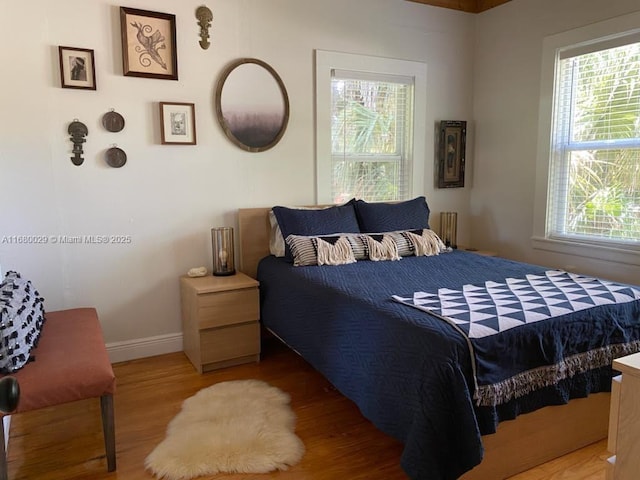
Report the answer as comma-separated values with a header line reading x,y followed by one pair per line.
x,y
222,248
449,228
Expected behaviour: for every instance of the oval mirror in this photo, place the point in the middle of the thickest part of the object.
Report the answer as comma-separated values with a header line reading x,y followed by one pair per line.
x,y
252,104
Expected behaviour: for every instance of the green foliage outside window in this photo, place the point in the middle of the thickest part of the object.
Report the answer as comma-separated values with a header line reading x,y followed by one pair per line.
x,y
368,139
604,178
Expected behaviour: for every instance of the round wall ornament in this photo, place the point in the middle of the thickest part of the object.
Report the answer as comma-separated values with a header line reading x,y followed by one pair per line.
x,y
115,157
113,121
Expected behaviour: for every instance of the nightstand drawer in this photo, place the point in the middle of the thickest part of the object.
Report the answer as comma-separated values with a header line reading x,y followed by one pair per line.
x,y
218,344
228,308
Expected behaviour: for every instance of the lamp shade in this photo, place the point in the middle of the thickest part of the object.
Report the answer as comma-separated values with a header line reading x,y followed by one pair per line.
x,y
449,228
222,248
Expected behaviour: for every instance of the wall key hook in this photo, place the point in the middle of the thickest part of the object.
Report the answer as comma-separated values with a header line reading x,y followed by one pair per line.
x,y
78,131
204,16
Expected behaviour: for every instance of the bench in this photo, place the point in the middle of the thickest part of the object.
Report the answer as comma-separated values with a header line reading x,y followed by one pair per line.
x,y
71,363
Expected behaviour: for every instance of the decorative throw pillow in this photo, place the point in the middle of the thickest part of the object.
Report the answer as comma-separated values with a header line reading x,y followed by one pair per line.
x,y
327,221
424,242
394,245
345,248
402,241
382,247
336,252
390,217
337,249
21,320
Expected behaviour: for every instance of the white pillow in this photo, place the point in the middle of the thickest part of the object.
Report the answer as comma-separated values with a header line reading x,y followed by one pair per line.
x,y
276,242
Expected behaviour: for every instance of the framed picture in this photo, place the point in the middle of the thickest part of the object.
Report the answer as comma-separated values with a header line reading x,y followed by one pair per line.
x,y
148,44
178,123
452,153
77,68
252,104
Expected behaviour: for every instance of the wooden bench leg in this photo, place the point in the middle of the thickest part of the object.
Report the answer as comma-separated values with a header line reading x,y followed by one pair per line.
x,y
109,430
4,470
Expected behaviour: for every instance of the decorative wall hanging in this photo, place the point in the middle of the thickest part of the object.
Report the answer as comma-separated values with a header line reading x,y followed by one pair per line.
x,y
113,121
115,157
178,123
78,131
77,68
148,44
252,104
452,153
204,16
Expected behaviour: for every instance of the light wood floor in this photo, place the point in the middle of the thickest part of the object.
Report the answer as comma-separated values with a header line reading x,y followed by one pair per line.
x,y
65,442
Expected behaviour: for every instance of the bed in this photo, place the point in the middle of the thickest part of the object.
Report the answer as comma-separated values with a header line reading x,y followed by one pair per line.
x,y
414,375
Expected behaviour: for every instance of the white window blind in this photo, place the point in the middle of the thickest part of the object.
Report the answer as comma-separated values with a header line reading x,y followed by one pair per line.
x,y
594,188
371,130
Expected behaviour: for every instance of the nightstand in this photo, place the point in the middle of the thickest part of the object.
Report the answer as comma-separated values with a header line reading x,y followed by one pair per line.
x,y
220,320
624,420
486,253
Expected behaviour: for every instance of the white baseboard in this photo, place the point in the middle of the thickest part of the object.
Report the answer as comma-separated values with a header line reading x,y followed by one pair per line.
x,y
144,347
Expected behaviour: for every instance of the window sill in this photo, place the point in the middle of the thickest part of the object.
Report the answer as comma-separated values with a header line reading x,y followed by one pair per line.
x,y
610,254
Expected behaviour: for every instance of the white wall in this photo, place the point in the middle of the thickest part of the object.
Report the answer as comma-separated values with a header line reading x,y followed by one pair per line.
x,y
168,197
507,64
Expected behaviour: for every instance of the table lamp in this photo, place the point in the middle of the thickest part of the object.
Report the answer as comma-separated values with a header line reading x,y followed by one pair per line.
x,y
222,248
449,228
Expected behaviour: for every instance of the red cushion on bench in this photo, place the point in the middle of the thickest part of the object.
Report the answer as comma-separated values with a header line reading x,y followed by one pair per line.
x,y
71,362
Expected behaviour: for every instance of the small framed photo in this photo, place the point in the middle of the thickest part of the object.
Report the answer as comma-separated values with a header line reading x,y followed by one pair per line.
x,y
77,68
148,44
178,123
453,136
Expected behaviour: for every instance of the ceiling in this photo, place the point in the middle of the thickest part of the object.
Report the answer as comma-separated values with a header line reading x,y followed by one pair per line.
x,y
472,6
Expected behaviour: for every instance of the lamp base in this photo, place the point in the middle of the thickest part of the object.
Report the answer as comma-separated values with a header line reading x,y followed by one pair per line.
x,y
224,274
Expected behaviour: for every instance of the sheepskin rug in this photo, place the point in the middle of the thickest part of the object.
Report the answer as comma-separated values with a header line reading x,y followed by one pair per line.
x,y
242,426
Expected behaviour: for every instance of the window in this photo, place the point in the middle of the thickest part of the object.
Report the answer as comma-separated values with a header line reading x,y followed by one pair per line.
x,y
367,108
594,183
370,134
587,189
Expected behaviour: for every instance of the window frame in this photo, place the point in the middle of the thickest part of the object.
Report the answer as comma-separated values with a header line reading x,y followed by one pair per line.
x,y
542,239
326,61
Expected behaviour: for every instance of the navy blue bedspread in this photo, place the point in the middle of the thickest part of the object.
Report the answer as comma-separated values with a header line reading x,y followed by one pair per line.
x,y
409,372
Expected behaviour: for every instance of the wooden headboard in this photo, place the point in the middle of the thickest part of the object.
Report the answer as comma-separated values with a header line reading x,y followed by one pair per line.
x,y
253,237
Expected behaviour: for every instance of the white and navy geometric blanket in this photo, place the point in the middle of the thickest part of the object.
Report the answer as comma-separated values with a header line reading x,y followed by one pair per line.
x,y
483,310
479,312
